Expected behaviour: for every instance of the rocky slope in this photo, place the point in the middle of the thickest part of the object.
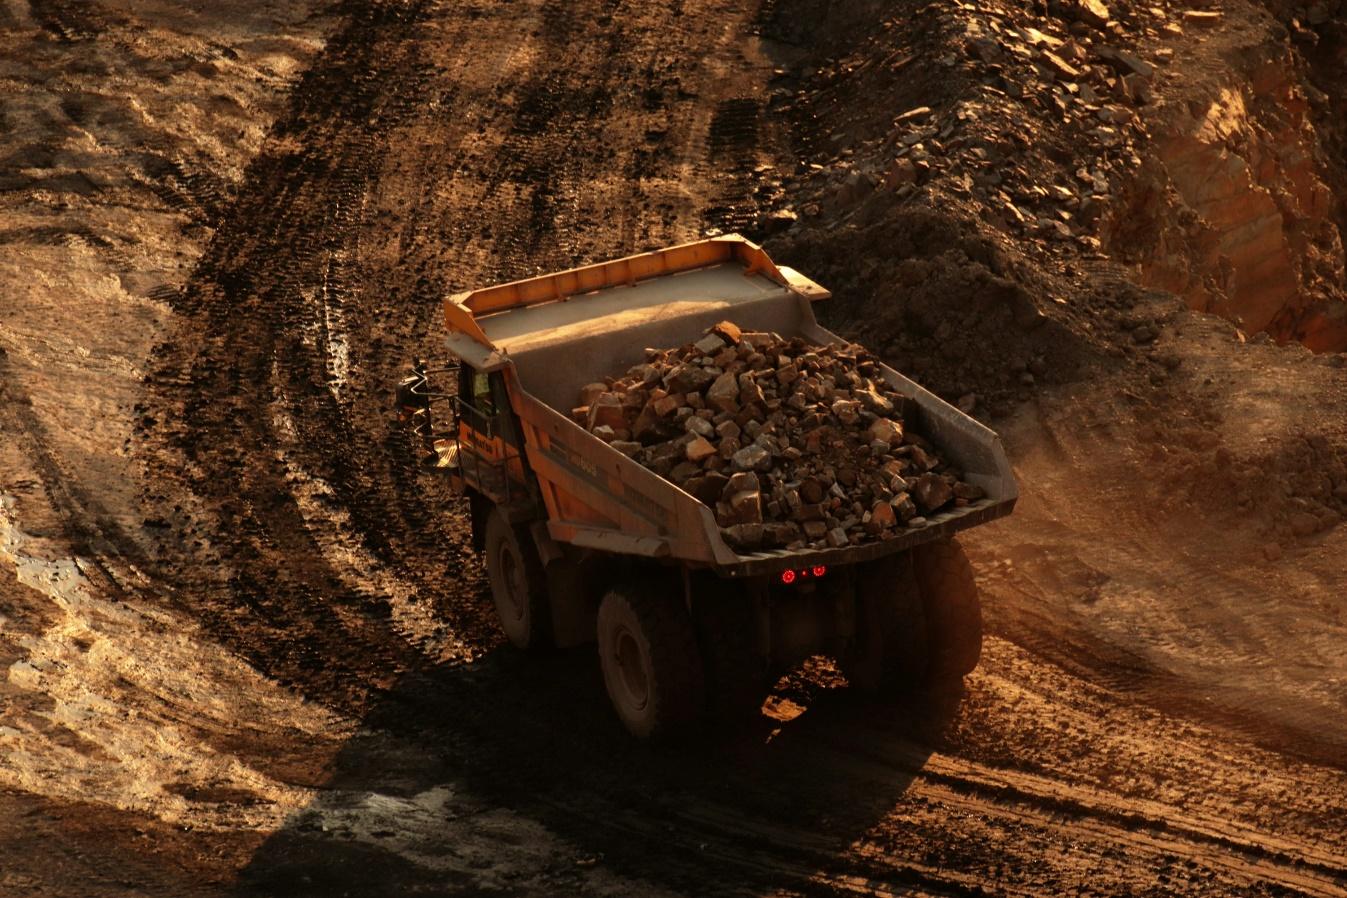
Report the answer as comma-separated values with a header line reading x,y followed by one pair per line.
x,y
1013,151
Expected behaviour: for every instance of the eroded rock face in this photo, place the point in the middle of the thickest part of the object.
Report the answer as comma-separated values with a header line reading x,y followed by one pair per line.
x,y
1243,219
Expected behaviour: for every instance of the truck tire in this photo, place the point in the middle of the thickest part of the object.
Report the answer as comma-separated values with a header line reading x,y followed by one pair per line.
x,y
889,651
651,666
952,608
518,585
735,672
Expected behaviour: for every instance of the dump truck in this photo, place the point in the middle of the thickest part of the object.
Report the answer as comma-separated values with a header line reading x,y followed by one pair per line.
x,y
583,544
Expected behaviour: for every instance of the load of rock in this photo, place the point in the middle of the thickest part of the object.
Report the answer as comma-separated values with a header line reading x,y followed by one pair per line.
x,y
792,445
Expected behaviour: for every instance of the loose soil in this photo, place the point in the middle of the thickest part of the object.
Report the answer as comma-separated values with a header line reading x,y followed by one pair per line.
x,y
248,648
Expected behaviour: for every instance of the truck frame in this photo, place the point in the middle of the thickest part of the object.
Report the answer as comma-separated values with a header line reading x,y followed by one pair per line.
x,y
583,544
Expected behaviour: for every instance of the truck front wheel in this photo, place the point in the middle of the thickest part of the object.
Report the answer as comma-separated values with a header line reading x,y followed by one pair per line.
x,y
651,667
951,607
518,586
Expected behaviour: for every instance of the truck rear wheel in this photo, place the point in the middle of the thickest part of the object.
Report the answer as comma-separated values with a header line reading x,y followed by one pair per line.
x,y
518,586
952,609
651,666
889,651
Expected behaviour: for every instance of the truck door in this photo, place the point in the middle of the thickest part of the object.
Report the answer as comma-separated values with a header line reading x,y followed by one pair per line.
x,y
489,441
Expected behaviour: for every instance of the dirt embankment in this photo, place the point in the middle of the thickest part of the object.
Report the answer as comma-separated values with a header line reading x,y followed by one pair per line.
x,y
125,131
1195,152
1237,209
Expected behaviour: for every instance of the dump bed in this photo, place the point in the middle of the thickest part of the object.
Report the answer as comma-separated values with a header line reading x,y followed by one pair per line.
x,y
553,334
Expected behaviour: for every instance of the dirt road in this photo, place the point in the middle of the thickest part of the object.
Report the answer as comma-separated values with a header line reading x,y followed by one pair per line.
x,y
250,651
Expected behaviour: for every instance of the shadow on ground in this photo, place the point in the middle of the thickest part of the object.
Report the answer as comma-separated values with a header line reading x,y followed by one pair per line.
x,y
512,776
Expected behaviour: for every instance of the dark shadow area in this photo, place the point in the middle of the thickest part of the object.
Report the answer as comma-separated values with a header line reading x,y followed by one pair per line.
x,y
768,805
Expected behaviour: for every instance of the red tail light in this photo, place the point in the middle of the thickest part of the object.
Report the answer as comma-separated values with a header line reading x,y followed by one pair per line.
x,y
810,573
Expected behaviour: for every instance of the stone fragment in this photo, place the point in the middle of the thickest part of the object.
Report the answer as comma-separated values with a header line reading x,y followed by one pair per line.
x,y
931,493
847,411
837,538
749,390
815,530
1060,67
710,344
1139,89
729,332
743,536
688,378
744,508
901,172
882,517
708,487
968,491
699,426
634,400
811,491
723,394
626,447
1041,39
699,449
903,507
752,458
649,374
921,459
590,392
607,411
1203,17
742,482
886,430
1126,62
684,471
1091,12
779,220
668,405
874,401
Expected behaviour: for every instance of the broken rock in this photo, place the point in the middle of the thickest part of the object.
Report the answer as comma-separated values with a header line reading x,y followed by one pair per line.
x,y
931,493
699,449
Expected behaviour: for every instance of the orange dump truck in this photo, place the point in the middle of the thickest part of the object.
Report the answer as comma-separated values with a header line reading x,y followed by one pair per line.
x,y
582,543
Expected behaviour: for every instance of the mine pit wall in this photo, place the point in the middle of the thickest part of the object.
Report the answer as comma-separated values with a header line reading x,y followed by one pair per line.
x,y
1241,209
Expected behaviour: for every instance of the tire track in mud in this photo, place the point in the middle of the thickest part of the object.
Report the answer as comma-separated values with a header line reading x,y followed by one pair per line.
x,y
733,145
72,21
259,330
250,339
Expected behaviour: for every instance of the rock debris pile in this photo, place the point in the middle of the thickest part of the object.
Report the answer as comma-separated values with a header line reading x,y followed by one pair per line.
x,y
793,445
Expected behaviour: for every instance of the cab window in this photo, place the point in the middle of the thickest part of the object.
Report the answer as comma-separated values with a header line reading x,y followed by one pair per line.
x,y
482,396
